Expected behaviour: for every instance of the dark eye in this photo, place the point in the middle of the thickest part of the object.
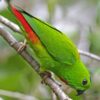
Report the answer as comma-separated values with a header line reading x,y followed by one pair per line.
x,y
84,82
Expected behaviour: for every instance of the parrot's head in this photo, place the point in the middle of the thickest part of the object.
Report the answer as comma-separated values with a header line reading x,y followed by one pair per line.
x,y
78,77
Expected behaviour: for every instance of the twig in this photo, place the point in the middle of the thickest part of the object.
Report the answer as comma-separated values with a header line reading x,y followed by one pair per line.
x,y
16,95
53,96
10,24
15,44
61,95
15,28
93,56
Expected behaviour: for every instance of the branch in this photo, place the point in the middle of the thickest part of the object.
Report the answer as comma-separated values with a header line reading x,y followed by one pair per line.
x,y
15,28
16,95
15,44
10,24
93,56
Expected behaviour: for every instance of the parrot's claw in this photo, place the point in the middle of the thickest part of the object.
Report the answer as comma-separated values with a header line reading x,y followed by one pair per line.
x,y
45,75
22,46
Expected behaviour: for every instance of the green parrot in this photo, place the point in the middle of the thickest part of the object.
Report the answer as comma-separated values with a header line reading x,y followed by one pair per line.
x,y
54,51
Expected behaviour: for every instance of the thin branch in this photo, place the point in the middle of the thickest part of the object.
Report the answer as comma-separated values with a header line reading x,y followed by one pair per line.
x,y
53,96
15,44
15,28
61,95
92,56
10,24
16,95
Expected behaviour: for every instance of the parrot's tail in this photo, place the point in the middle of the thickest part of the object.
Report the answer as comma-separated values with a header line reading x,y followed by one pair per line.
x,y
30,34
10,9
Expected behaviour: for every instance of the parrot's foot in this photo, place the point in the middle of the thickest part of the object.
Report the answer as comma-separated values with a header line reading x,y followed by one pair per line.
x,y
45,75
22,46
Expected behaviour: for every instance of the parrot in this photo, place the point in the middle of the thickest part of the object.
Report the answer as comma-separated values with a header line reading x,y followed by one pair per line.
x,y
54,50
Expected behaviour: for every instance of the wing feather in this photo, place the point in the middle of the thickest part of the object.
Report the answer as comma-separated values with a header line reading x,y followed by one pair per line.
x,y
55,42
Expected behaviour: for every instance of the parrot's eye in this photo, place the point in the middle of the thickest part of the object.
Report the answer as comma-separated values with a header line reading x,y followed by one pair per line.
x,y
84,82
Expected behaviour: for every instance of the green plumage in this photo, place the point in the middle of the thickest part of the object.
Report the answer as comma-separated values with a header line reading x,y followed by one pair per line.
x,y
55,42
57,53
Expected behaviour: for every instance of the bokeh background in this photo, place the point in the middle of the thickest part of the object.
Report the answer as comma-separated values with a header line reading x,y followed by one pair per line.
x,y
78,19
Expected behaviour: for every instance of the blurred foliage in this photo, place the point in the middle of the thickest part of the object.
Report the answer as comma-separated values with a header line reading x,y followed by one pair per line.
x,y
17,75
94,38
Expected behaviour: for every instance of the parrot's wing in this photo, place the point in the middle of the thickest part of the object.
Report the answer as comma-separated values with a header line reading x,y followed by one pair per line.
x,y
55,42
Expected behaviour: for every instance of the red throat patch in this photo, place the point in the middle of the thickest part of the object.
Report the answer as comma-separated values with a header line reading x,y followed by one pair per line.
x,y
31,35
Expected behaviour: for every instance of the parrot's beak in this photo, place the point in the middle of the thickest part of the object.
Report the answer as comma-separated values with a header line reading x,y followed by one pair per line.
x,y
79,92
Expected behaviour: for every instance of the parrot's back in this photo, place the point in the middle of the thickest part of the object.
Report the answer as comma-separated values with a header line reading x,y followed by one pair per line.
x,y
58,46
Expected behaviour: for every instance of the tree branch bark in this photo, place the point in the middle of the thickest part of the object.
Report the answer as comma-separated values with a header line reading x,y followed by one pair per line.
x,y
90,55
10,24
49,81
